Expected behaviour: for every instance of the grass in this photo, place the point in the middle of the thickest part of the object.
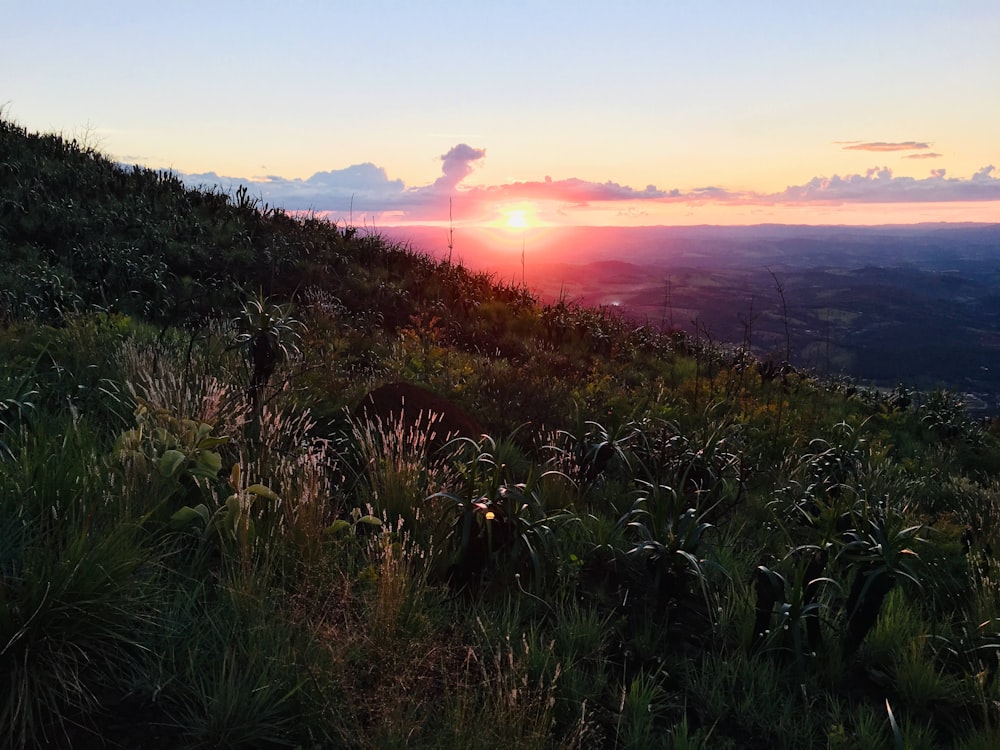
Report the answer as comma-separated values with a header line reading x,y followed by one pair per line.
x,y
237,682
78,583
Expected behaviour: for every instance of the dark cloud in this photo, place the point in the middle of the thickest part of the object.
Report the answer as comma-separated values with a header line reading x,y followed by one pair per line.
x,y
884,146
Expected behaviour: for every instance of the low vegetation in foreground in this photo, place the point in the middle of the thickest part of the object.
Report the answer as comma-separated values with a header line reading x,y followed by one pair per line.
x,y
653,542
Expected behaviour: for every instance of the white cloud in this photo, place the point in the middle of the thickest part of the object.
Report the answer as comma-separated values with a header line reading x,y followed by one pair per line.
x,y
366,189
879,185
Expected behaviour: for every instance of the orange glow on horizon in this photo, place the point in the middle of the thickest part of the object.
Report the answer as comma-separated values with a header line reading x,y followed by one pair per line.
x,y
528,219
518,217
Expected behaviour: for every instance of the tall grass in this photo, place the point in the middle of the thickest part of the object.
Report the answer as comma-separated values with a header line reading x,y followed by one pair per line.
x,y
399,465
75,587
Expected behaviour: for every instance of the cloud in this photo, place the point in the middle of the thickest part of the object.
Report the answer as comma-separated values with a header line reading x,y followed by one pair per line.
x,y
985,175
879,185
335,190
365,190
457,165
361,188
712,193
884,146
570,190
360,177
928,155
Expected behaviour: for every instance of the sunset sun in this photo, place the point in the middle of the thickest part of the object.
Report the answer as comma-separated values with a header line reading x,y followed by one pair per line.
x,y
517,219
518,216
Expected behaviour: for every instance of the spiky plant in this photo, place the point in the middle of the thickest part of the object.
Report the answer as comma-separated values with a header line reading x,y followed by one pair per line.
x,y
268,334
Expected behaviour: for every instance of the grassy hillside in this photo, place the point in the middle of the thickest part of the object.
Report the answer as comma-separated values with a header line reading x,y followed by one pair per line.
x,y
653,542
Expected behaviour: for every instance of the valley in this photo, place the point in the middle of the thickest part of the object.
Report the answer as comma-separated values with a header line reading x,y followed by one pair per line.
x,y
912,305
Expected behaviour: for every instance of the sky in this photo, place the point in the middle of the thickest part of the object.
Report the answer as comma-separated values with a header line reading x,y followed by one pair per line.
x,y
523,114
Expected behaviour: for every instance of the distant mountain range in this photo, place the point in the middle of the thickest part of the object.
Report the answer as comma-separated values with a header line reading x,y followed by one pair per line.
x,y
913,304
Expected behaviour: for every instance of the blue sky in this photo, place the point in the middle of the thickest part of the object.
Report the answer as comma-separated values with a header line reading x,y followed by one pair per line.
x,y
581,112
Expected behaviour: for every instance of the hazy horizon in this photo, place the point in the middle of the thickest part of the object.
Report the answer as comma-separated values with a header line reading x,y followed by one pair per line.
x,y
913,304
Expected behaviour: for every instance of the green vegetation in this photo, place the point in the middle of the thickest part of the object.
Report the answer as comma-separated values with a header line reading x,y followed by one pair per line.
x,y
659,543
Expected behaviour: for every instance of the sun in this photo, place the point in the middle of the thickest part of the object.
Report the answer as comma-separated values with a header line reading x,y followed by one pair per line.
x,y
516,219
518,216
